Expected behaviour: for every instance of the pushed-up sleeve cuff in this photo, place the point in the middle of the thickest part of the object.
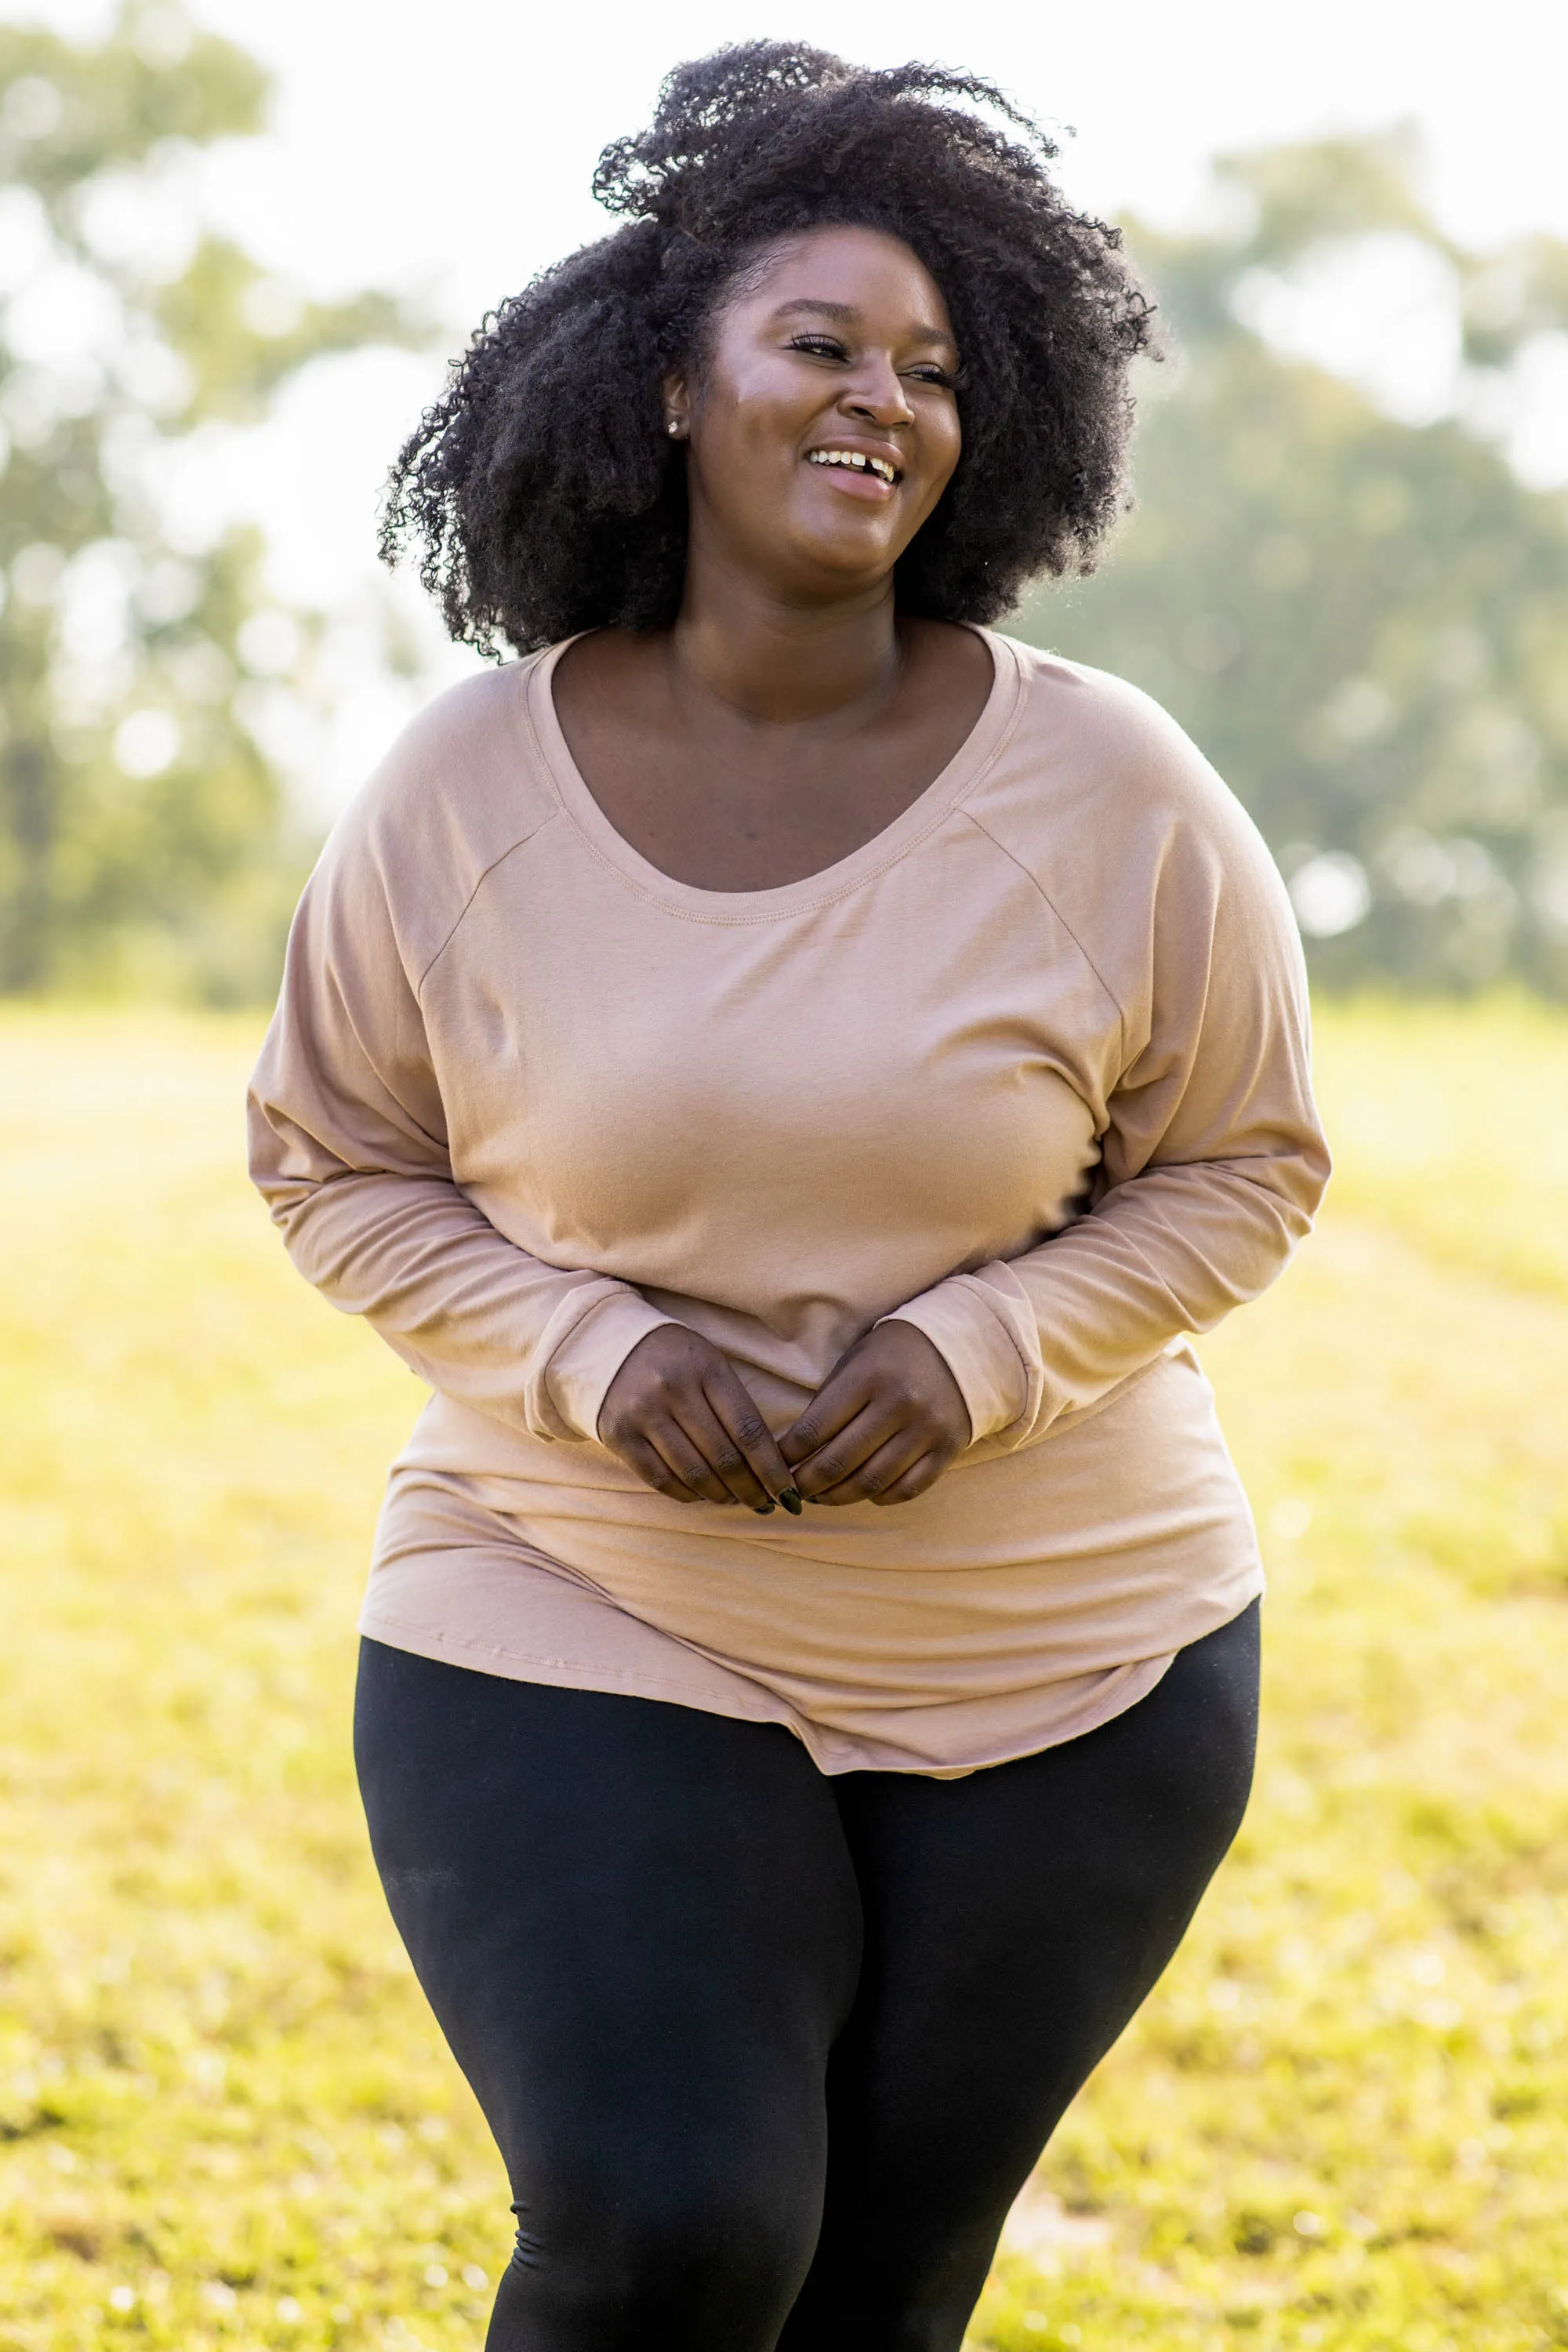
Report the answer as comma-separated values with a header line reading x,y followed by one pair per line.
x,y
581,1368
983,1326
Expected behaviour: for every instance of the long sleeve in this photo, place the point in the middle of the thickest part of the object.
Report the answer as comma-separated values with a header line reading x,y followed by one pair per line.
x,y
1212,1162
348,1147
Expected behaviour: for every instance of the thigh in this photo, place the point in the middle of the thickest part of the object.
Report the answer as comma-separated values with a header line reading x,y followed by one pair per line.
x,y
1014,1920
638,1928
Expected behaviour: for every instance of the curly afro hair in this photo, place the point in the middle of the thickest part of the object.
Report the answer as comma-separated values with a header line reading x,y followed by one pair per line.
x,y
541,490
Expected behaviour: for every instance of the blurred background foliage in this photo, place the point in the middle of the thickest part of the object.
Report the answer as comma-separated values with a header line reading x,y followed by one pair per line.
x,y
1363,622
145,836
1361,619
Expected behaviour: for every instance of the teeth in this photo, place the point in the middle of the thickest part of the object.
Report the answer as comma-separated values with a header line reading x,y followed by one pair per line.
x,y
857,461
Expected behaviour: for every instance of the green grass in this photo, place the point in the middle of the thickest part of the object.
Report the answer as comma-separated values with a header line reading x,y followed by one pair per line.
x,y
225,2120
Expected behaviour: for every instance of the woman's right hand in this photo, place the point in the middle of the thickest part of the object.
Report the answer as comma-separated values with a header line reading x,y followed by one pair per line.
x,y
680,1415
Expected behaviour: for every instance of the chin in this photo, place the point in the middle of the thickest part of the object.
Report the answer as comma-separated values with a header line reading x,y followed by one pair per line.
x,y
847,560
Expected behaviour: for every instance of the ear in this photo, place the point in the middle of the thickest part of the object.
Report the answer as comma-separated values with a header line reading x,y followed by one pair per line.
x,y
675,395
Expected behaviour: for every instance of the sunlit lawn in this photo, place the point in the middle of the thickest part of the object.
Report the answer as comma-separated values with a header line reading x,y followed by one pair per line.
x,y
225,2118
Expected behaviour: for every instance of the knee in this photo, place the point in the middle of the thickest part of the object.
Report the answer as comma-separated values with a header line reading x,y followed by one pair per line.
x,y
677,2259
714,2261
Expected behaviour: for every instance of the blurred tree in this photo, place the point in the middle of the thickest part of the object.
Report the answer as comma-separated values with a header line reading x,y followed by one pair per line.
x,y
142,827
1363,622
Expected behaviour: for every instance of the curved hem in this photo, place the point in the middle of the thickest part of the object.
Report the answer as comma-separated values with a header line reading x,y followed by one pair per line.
x,y
513,1666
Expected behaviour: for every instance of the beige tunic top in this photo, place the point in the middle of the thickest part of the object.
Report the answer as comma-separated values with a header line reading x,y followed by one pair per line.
x,y
1029,1069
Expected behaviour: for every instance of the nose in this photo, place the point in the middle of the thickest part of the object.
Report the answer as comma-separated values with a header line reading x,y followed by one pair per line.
x,y
876,394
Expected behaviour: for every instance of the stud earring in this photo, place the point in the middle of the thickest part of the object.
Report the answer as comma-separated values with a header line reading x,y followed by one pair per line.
x,y
674,426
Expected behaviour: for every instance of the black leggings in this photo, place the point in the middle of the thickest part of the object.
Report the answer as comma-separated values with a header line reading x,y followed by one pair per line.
x,y
769,2054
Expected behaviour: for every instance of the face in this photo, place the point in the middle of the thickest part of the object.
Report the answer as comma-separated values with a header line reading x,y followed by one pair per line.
x,y
823,423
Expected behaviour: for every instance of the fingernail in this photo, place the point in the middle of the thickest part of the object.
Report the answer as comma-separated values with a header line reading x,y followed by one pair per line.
x,y
791,1500
761,1509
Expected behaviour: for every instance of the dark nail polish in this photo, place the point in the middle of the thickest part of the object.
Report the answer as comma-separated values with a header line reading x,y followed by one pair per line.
x,y
761,1509
791,1500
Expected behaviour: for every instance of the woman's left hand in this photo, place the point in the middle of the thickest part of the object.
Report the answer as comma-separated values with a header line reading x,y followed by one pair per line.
x,y
884,1424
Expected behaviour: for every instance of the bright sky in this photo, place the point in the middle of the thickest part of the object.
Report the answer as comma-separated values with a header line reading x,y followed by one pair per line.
x,y
447,149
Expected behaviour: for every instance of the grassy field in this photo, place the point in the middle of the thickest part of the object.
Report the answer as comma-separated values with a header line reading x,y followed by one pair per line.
x,y
225,2118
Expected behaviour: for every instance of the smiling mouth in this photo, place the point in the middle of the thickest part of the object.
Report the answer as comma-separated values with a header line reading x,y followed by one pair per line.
x,y
855,461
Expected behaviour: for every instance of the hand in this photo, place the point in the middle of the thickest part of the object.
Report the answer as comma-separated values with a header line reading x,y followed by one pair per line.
x,y
884,1424
680,1415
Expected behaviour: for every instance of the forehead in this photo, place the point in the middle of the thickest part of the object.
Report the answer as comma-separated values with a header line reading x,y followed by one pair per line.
x,y
860,270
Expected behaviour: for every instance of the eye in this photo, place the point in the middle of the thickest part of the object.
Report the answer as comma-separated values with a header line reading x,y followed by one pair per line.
x,y
821,347
929,372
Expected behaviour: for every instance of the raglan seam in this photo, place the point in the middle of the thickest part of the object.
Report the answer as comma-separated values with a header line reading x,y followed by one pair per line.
x,y
522,841
1107,991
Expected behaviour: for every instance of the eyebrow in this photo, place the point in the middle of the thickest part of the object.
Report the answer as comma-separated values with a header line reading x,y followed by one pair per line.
x,y
845,314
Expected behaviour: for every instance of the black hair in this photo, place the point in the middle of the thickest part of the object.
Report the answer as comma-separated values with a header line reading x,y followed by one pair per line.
x,y
542,490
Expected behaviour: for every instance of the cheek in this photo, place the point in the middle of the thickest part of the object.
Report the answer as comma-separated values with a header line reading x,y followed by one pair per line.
x,y
746,441
944,445
759,402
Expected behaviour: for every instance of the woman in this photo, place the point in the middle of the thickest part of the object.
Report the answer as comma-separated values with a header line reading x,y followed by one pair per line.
x,y
779,1043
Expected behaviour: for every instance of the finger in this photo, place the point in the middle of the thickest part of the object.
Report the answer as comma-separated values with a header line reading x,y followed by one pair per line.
x,y
737,1410
738,1482
686,1459
918,1479
841,1396
882,1470
844,1453
654,1470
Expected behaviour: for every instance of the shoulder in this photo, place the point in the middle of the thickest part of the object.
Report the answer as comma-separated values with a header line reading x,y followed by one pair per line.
x,y
1123,825
462,778
1097,778
1088,744
460,788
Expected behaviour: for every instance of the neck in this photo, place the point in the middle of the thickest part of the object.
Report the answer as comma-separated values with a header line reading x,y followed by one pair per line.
x,y
780,663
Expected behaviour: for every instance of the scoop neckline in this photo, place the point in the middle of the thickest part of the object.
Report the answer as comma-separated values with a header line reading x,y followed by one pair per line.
x,y
924,814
